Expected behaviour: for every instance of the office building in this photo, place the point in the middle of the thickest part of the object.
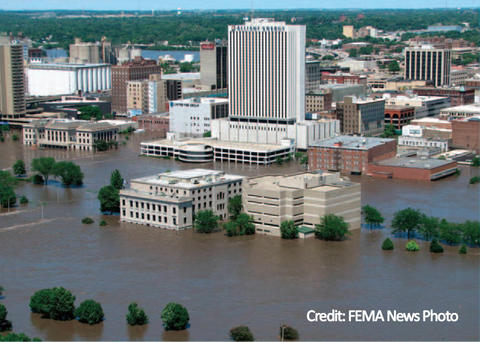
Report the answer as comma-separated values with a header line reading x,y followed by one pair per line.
x,y
414,136
429,64
138,69
348,31
458,95
159,123
459,112
266,71
174,90
170,200
319,100
349,154
344,78
361,116
302,198
213,64
12,83
339,91
66,79
156,100
192,117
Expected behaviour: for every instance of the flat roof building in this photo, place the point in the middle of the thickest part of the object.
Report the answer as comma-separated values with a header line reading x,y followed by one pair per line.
x,y
361,116
349,154
12,83
170,200
303,198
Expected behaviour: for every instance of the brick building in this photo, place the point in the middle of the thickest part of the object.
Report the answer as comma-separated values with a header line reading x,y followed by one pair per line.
x,y
157,123
398,116
138,69
412,168
458,96
361,116
342,78
317,101
466,133
349,154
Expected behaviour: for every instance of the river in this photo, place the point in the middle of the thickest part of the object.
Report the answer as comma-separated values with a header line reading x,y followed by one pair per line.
x,y
258,281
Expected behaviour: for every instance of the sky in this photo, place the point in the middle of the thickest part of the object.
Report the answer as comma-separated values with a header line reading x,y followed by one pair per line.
x,y
136,5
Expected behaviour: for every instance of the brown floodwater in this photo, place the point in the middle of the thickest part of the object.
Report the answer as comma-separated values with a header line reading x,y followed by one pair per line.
x,y
257,281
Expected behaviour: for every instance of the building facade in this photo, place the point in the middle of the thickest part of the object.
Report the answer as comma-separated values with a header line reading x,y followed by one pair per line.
x,y
66,79
466,133
302,198
157,122
170,200
349,154
12,82
68,134
361,117
193,117
458,96
398,116
428,63
213,64
266,61
138,69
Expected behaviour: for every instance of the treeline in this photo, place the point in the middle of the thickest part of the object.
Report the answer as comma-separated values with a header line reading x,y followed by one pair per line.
x,y
195,26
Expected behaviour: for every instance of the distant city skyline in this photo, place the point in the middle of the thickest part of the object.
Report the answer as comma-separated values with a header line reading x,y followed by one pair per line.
x,y
146,5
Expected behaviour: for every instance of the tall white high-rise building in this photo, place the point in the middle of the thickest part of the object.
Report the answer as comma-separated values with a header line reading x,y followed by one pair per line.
x,y
266,71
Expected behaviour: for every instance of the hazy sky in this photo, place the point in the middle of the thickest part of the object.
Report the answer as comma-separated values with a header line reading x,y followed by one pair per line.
x,y
227,4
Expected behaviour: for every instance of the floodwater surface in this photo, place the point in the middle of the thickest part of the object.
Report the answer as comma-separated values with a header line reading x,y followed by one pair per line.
x,y
257,281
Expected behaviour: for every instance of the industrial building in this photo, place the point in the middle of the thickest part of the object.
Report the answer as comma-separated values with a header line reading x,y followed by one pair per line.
x,y
66,79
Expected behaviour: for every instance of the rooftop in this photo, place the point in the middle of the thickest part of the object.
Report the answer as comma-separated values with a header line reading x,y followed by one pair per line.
x,y
416,163
182,76
198,100
470,108
352,142
64,66
188,178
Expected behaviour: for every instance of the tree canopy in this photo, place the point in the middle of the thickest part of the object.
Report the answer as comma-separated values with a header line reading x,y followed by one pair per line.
x,y
89,311
109,198
175,317
288,230
332,228
44,166
68,172
372,216
205,221
407,220
235,206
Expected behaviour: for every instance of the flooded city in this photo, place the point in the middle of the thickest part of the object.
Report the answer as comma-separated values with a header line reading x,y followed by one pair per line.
x,y
259,281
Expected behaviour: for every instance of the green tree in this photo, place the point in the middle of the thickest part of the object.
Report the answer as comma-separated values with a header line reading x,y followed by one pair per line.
x,y
7,196
245,224
476,161
435,247
205,221
87,220
428,227
393,66
1,290
175,317
389,131
230,228
474,180
207,134
116,180
136,315
100,145
407,220
412,246
372,216
56,303
90,312
462,250
288,230
109,198
332,228
304,160
44,166
449,232
387,245
5,325
470,232
241,333
70,173
90,112
279,160
17,337
287,333
235,206
353,53
19,168
23,200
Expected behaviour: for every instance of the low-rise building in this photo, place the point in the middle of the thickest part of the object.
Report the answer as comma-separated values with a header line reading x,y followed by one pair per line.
x,y
398,116
412,168
302,198
458,95
316,101
156,122
170,200
343,78
415,137
349,154
204,150
459,112
424,105
68,134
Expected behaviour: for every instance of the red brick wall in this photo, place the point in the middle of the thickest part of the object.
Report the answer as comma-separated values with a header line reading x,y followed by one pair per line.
x,y
152,123
466,134
408,173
